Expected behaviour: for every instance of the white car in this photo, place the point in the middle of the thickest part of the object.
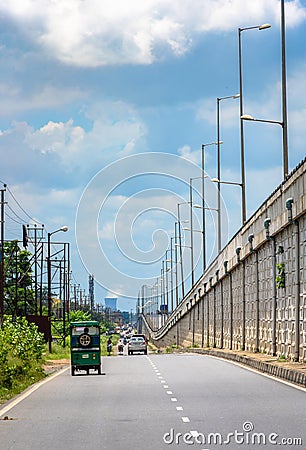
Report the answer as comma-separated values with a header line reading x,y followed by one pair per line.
x,y
137,344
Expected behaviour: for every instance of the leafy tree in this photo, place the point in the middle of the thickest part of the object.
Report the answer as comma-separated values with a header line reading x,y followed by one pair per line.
x,y
21,350
18,292
76,316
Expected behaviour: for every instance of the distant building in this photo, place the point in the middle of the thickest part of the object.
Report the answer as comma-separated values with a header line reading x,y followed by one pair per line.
x,y
111,303
126,316
116,317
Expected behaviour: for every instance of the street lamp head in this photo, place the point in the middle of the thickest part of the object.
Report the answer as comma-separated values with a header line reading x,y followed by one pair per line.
x,y
64,228
247,117
212,143
264,26
227,96
214,180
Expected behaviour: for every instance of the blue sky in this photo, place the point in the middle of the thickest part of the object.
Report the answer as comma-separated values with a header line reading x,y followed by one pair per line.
x,y
90,89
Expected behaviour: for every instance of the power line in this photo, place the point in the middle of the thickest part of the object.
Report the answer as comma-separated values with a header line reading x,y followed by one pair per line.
x,y
22,209
22,221
12,218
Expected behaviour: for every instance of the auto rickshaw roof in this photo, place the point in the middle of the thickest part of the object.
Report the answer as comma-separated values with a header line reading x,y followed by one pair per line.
x,y
85,323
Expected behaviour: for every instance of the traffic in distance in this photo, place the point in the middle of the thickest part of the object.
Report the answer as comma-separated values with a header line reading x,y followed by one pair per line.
x,y
135,343
85,346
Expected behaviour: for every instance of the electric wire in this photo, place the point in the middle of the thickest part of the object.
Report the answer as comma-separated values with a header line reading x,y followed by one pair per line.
x,y
20,218
22,221
22,209
14,220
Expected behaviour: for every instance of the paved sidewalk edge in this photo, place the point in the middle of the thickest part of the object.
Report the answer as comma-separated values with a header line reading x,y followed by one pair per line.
x,y
291,375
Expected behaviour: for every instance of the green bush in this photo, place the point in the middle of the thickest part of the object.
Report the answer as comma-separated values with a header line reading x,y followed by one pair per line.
x,y
21,349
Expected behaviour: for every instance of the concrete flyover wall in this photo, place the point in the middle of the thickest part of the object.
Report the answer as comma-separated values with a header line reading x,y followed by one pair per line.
x,y
253,298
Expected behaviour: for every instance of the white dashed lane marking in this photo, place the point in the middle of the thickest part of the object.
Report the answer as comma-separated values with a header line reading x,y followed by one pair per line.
x,y
185,419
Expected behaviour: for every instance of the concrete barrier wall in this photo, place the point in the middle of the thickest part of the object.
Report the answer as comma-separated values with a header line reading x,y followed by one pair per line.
x,y
254,299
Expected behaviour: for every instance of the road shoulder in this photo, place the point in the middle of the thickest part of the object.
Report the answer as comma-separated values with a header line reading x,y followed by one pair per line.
x,y
293,372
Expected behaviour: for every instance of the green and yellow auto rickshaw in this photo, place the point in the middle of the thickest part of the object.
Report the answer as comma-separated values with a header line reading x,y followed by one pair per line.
x,y
85,347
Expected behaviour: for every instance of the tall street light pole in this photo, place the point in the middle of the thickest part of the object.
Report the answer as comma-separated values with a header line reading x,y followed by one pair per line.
x,y
219,99
191,233
203,201
242,157
203,218
284,92
49,275
180,245
171,268
167,279
175,261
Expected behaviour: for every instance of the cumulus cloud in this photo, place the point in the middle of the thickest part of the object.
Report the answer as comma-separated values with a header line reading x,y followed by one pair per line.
x,y
96,33
51,204
187,153
116,131
61,138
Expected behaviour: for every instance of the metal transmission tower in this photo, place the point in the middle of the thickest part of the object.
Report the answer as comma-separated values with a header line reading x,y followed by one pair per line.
x,y
91,292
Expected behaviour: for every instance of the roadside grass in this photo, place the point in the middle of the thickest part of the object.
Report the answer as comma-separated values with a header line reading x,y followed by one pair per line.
x,y
37,373
58,352
33,374
7,394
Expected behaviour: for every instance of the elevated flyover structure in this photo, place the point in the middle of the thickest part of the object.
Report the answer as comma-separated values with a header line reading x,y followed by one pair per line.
x,y
253,295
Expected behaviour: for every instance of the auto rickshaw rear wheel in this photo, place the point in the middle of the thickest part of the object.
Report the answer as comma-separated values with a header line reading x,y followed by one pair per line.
x,y
84,340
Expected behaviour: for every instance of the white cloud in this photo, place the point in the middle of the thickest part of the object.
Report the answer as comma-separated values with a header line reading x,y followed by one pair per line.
x,y
97,33
187,153
116,130
53,137
53,205
15,99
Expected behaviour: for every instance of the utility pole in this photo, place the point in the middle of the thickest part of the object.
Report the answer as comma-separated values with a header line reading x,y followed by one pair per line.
x,y
38,265
91,293
2,255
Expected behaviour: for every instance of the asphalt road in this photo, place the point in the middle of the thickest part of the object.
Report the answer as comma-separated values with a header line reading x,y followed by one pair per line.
x,y
158,402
